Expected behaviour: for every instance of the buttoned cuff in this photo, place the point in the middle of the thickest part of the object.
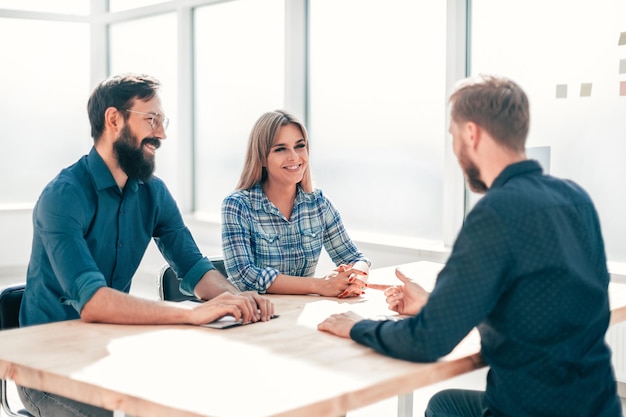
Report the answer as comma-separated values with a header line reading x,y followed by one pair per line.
x,y
84,287
193,276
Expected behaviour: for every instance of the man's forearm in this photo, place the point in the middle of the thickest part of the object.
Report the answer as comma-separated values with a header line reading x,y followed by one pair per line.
x,y
212,284
111,306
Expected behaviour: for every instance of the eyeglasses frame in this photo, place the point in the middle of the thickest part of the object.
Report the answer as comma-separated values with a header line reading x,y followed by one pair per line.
x,y
153,120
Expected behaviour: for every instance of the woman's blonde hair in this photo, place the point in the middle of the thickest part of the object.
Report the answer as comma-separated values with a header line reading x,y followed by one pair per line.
x,y
261,139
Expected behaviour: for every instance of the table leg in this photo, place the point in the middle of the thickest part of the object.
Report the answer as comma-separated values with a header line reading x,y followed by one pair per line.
x,y
405,405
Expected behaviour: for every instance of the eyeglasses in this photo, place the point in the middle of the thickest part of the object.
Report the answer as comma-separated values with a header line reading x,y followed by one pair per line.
x,y
156,119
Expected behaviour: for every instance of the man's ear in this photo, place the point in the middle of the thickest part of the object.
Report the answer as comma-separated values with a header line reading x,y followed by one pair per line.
x,y
474,134
113,119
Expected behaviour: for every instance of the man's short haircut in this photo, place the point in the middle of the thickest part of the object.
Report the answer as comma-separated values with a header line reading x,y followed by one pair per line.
x,y
496,104
118,91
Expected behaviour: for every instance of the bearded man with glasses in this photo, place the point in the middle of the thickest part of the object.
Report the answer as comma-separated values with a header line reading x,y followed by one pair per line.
x,y
93,223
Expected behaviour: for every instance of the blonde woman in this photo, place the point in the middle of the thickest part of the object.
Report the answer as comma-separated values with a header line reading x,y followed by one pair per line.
x,y
275,223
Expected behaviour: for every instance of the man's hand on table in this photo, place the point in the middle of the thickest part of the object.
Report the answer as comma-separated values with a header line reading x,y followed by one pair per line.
x,y
340,324
247,306
405,299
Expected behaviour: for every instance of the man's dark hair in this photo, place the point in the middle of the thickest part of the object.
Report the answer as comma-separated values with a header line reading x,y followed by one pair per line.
x,y
118,91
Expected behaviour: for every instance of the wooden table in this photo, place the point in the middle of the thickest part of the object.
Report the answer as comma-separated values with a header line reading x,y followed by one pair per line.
x,y
285,367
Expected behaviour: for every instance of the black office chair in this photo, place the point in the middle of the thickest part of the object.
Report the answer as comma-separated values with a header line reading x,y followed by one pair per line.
x,y
10,301
168,282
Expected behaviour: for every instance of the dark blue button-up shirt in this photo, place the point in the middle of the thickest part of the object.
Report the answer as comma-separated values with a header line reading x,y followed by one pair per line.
x,y
88,234
529,269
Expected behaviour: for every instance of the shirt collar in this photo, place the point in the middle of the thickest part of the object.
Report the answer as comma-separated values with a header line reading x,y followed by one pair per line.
x,y
260,201
101,174
526,167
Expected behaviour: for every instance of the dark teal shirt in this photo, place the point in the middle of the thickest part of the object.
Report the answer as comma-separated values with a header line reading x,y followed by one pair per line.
x,y
88,234
528,269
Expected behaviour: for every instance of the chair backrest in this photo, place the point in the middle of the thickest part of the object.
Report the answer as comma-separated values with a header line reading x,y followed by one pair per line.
x,y
218,263
169,284
10,301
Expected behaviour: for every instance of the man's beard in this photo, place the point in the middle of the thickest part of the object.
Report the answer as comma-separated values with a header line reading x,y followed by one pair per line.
x,y
131,158
472,174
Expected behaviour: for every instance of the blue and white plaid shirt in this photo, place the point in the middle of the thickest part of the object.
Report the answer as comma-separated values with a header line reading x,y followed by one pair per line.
x,y
259,243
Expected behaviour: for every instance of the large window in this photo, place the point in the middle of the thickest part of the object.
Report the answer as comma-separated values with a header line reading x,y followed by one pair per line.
x,y
568,57
44,99
239,72
369,77
377,112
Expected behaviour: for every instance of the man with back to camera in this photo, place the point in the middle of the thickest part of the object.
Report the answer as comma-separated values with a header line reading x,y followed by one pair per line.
x,y
528,268
93,223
